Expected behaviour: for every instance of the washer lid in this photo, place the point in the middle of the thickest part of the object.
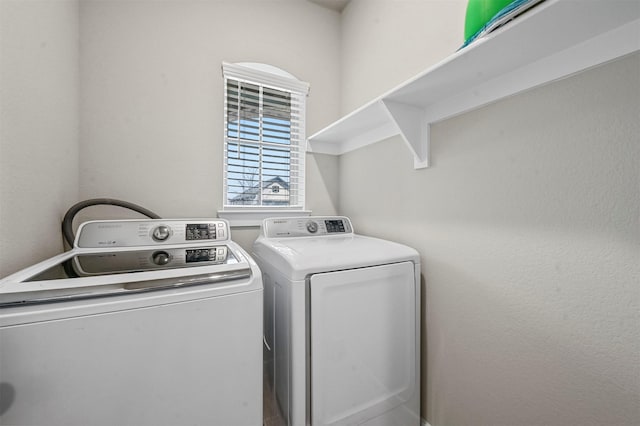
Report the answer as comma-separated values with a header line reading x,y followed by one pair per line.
x,y
86,264
299,257
82,274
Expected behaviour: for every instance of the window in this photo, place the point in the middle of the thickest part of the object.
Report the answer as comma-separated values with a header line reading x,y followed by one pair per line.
x,y
264,140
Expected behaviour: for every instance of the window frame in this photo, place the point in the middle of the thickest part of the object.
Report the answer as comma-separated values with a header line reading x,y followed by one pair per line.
x,y
272,77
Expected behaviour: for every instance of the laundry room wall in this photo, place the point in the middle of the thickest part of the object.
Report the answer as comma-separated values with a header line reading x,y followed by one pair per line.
x,y
38,127
152,95
528,227
386,42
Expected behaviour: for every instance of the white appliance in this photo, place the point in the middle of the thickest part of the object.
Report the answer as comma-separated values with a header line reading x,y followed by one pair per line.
x,y
342,326
143,322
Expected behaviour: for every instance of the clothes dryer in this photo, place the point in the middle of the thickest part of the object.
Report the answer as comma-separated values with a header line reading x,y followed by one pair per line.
x,y
143,322
342,323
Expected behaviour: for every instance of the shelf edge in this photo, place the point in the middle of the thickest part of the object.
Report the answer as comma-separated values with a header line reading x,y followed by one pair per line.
x,y
390,115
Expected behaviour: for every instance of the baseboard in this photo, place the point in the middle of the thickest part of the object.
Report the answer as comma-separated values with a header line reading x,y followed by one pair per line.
x,y
423,422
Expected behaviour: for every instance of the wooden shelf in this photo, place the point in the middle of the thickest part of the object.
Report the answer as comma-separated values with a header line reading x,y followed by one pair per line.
x,y
555,39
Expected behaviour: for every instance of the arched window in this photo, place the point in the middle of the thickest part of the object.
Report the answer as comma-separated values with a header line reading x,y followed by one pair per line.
x,y
264,139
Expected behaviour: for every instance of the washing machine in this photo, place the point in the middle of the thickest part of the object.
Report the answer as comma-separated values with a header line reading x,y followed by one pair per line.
x,y
342,323
143,322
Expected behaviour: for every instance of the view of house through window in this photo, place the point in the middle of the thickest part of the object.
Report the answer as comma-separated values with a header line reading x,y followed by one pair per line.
x,y
264,150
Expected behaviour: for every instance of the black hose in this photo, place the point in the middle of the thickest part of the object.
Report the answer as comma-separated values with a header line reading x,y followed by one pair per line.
x,y
67,222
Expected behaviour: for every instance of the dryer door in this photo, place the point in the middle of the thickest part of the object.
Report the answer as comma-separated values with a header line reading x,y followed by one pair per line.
x,y
363,342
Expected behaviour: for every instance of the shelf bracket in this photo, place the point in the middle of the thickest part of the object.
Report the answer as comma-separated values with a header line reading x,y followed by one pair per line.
x,y
413,127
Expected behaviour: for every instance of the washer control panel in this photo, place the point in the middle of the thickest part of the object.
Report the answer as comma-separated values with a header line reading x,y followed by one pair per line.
x,y
150,232
306,226
147,260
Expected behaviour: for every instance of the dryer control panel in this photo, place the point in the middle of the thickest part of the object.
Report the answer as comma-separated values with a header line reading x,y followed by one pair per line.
x,y
150,232
306,226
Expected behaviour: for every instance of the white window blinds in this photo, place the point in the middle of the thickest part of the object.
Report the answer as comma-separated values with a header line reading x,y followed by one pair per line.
x,y
264,142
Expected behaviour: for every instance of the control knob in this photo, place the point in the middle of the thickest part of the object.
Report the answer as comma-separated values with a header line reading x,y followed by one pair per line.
x,y
160,258
161,233
312,227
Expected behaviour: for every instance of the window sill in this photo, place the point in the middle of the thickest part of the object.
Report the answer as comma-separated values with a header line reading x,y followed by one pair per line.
x,y
244,218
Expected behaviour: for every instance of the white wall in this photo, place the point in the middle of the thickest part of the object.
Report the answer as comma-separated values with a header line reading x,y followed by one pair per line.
x,y
144,85
38,127
152,95
386,42
528,227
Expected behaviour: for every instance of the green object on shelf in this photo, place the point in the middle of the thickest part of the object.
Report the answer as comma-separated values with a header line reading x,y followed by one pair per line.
x,y
479,12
